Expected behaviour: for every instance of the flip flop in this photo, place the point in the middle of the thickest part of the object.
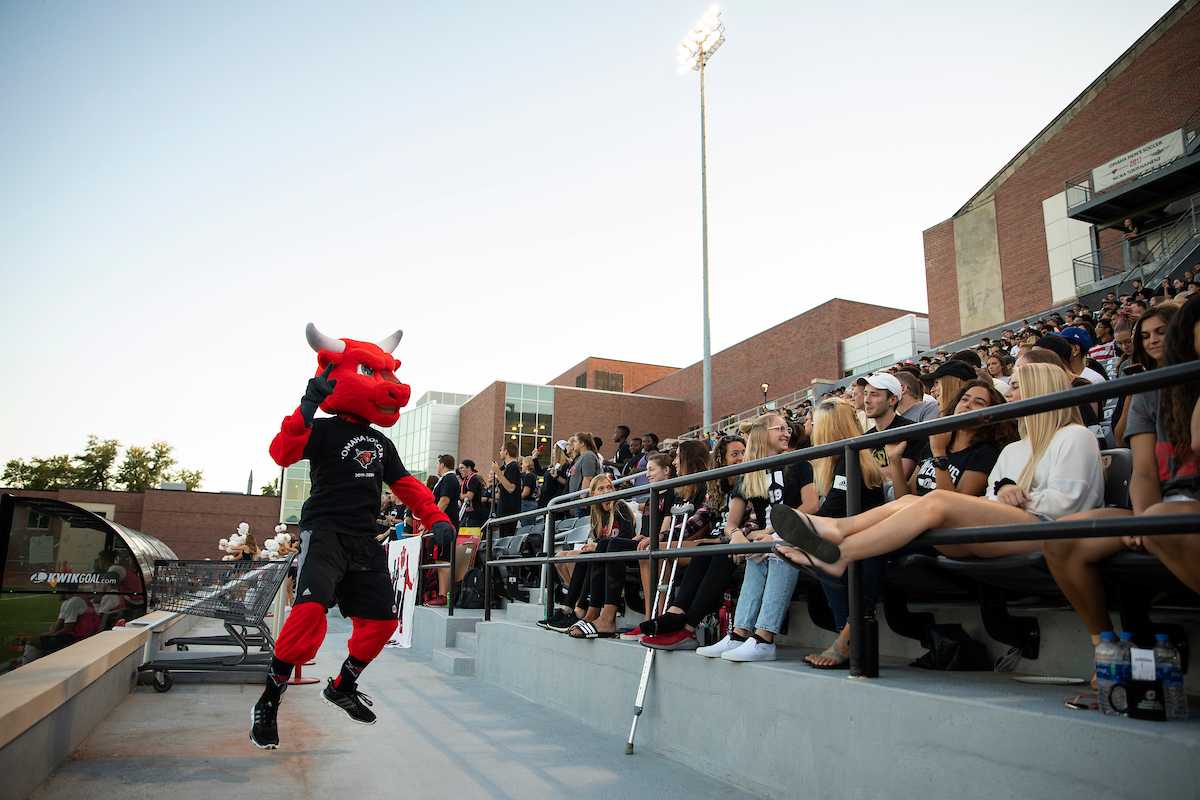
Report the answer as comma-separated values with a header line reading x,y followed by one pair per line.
x,y
813,572
840,661
588,631
798,531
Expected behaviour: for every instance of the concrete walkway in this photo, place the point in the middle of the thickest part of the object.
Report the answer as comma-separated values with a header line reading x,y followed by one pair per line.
x,y
436,737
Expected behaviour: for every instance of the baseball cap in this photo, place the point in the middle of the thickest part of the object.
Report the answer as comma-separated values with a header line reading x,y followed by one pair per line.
x,y
881,380
561,444
953,368
468,463
1077,335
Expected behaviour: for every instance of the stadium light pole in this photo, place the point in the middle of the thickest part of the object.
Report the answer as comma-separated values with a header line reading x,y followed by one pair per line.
x,y
697,48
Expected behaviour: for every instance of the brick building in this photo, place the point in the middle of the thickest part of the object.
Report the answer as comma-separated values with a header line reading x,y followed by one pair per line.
x,y
190,523
1022,244
668,401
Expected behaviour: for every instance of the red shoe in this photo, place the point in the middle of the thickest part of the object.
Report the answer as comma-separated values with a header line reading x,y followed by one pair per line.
x,y
634,635
440,600
680,640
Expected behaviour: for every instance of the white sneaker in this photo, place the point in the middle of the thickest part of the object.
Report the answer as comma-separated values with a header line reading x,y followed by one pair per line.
x,y
751,650
715,650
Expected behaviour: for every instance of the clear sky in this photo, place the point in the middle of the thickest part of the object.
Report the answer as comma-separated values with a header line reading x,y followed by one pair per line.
x,y
183,186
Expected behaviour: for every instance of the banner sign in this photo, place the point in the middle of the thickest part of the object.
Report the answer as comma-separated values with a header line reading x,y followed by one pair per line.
x,y
1149,156
404,557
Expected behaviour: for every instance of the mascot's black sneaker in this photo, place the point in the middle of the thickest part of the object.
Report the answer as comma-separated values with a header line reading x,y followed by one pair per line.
x,y
353,702
263,730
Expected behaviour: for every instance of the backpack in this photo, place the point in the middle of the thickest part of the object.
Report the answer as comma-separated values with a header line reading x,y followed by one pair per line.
x,y
470,590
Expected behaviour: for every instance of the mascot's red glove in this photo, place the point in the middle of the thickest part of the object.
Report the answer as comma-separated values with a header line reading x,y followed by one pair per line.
x,y
419,500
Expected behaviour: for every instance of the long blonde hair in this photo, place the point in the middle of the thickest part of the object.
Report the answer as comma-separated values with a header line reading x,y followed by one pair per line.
x,y
755,484
599,516
834,420
1036,380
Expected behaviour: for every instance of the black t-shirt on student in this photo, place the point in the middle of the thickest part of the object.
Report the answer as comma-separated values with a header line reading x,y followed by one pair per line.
x,y
834,504
663,506
350,463
624,453
977,458
530,480
912,448
510,502
783,486
382,523
474,512
447,486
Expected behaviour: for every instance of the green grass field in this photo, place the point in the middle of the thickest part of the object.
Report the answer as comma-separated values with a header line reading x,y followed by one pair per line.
x,y
31,614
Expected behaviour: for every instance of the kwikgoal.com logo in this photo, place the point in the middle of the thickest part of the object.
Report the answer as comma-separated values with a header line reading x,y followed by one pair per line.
x,y
55,578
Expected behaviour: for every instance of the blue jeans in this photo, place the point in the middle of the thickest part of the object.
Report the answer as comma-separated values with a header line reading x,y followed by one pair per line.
x,y
874,572
766,592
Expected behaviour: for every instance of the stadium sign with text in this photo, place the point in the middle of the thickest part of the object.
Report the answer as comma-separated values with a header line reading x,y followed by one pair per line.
x,y
1149,156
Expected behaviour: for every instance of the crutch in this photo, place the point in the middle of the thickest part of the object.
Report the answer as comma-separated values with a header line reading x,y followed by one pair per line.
x,y
680,513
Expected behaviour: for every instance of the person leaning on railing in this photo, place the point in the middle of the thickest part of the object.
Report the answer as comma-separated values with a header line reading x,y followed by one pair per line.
x,y
768,583
1052,472
1163,431
833,422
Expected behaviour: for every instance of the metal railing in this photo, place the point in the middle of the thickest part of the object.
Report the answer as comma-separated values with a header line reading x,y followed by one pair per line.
x,y
848,449
1136,257
548,536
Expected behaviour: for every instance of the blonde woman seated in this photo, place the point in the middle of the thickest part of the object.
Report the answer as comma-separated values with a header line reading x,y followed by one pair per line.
x,y
1052,472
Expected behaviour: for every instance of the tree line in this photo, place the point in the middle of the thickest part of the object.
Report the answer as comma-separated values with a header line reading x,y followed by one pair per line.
x,y
96,467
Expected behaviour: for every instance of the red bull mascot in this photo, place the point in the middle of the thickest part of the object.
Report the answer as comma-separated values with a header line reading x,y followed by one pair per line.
x,y
340,560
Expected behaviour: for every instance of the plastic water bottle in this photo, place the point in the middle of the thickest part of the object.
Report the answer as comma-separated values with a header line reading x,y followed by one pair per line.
x,y
1124,671
1106,671
1169,670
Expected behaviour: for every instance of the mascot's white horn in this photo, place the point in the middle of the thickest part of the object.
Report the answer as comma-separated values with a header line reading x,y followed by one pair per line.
x,y
389,344
319,341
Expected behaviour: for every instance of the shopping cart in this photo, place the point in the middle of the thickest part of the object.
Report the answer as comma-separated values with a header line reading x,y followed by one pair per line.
x,y
237,592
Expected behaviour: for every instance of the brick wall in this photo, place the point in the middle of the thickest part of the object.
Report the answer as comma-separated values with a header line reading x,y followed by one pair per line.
x,y
636,374
1154,94
600,412
941,283
190,523
787,357
481,426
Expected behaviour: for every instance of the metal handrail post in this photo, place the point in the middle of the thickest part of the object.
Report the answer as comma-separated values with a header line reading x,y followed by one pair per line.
x,y
450,591
548,539
487,574
654,520
854,581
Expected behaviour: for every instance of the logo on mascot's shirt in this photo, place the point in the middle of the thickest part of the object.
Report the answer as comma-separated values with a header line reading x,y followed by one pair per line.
x,y
367,458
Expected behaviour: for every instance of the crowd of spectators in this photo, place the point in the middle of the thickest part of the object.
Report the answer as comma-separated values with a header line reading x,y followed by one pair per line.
x,y
1046,468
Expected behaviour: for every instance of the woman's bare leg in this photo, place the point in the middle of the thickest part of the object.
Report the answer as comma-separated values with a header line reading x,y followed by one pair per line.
x,y
837,529
1179,552
1072,562
938,509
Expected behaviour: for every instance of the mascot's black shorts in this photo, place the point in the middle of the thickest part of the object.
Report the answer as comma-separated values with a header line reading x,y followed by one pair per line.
x,y
347,570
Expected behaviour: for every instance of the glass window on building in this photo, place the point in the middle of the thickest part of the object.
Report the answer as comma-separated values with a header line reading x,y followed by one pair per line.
x,y
529,416
295,490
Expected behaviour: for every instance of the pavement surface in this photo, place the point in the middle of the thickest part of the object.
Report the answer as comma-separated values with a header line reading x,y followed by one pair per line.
x,y
437,737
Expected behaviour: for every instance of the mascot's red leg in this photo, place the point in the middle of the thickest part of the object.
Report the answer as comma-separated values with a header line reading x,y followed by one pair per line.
x,y
302,634
370,635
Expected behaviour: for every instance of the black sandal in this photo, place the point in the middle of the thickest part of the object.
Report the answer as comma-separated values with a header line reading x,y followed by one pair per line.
x,y
798,531
814,571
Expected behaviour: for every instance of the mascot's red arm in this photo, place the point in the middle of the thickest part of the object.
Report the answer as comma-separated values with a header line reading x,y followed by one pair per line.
x,y
288,445
419,499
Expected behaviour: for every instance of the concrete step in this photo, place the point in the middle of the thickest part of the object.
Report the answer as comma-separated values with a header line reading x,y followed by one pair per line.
x,y
465,641
524,612
453,661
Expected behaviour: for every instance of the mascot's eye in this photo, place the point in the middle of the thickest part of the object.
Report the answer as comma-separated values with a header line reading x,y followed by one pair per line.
x,y
363,369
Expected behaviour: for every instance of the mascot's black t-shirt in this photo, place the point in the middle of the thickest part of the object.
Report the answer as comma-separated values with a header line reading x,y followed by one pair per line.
x,y
350,463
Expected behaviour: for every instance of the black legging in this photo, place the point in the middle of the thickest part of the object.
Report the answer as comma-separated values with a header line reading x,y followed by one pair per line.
x,y
605,579
703,586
